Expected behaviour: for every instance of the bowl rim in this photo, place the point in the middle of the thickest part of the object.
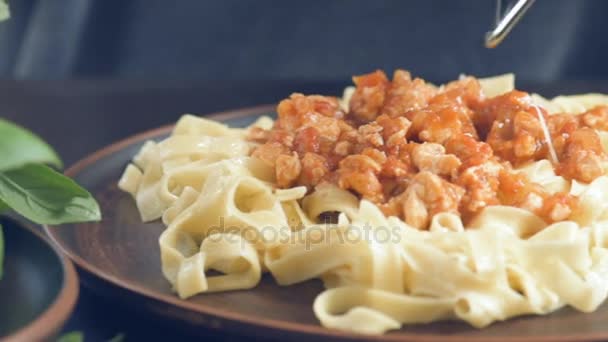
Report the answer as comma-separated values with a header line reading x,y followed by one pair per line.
x,y
49,323
264,323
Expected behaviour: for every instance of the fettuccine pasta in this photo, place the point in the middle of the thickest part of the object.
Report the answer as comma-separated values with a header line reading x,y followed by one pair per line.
x,y
229,210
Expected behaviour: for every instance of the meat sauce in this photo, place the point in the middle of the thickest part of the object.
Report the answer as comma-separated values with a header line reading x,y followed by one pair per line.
x,y
416,150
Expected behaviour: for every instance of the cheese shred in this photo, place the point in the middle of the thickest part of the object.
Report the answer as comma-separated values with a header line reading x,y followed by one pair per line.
x,y
543,124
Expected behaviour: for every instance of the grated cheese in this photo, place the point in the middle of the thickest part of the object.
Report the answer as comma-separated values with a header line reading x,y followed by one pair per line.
x,y
543,123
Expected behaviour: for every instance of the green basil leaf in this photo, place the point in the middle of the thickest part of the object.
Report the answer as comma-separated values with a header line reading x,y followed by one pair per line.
x,y
19,146
73,336
3,207
1,252
5,13
46,197
118,338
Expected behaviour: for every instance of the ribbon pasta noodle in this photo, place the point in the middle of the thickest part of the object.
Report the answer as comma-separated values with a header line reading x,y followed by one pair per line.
x,y
224,212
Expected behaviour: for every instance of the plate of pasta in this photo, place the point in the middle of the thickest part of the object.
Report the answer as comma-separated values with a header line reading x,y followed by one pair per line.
x,y
401,210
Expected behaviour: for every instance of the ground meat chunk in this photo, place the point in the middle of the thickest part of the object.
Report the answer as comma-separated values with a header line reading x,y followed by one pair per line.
x,y
367,101
515,189
343,148
469,150
314,169
359,173
377,155
561,127
405,94
518,137
287,170
431,157
297,109
558,207
370,135
426,195
307,140
328,127
466,90
397,168
394,131
269,152
481,185
583,158
438,122
488,111
596,118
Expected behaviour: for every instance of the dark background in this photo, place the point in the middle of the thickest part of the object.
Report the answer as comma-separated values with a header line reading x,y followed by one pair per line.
x,y
289,39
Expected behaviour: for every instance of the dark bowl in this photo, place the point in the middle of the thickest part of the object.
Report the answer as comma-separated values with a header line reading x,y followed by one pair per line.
x,y
39,287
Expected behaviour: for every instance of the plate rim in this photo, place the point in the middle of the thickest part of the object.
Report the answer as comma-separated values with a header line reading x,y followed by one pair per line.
x,y
226,314
52,319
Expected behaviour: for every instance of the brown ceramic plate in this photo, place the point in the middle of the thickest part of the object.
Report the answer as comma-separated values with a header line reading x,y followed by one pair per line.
x,y
39,287
121,255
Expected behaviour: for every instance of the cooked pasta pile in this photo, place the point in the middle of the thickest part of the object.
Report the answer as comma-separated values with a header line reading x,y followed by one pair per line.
x,y
248,201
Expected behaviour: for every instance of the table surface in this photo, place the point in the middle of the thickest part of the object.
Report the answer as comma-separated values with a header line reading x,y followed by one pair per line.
x,y
79,117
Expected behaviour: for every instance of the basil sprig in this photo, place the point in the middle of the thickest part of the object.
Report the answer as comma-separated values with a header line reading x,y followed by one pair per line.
x,y
5,13
78,336
45,196
19,146
34,190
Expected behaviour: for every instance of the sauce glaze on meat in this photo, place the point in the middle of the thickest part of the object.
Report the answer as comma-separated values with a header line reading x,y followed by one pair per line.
x,y
416,150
